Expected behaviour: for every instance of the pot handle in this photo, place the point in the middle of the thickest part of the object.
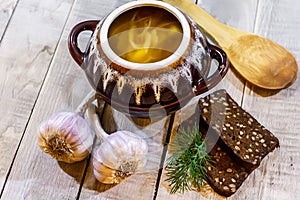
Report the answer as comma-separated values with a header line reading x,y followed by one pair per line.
x,y
74,50
205,84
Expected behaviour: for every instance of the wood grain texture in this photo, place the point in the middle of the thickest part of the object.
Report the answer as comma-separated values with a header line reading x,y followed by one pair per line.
x,y
7,8
238,14
25,55
164,188
141,185
278,177
64,87
30,45
232,12
233,83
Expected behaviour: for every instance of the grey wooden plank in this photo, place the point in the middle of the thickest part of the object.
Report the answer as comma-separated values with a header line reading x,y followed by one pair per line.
x,y
38,176
141,185
64,87
278,176
239,14
25,54
6,10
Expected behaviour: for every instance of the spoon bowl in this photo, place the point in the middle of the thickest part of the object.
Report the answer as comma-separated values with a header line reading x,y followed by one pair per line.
x,y
259,60
263,62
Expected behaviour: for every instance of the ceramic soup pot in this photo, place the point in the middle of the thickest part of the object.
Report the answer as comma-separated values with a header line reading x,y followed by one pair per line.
x,y
147,57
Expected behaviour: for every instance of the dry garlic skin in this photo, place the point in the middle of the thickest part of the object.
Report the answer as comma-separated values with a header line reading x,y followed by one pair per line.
x,y
120,155
66,137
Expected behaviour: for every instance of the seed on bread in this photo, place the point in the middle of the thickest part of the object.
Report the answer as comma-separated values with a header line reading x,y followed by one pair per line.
x,y
235,151
238,129
226,175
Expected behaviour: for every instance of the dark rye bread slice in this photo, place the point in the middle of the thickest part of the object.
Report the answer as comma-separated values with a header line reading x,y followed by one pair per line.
x,y
242,133
225,175
227,172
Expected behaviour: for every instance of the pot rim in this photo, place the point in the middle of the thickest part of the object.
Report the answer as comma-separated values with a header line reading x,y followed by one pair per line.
x,y
180,51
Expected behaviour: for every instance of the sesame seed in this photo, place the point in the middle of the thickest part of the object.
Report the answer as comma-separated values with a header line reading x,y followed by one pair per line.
x,y
237,148
264,145
229,170
205,104
226,188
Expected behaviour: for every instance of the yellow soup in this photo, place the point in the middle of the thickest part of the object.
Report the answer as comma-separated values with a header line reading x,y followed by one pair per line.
x,y
145,35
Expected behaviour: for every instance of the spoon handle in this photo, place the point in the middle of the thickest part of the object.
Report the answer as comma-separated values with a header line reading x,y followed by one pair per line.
x,y
222,34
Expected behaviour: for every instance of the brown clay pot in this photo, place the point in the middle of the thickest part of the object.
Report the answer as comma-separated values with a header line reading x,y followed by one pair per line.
x,y
158,88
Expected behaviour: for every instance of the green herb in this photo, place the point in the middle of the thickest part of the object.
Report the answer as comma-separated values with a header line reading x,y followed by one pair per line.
x,y
187,167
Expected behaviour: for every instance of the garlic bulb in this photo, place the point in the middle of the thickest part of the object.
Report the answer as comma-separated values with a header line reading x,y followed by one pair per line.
x,y
66,136
119,156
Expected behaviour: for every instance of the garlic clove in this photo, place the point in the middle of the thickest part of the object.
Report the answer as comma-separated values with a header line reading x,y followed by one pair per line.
x,y
104,170
106,155
116,140
106,178
66,137
132,143
119,156
107,175
82,150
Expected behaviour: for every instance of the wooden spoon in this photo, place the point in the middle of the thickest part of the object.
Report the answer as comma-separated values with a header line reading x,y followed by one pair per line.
x,y
259,60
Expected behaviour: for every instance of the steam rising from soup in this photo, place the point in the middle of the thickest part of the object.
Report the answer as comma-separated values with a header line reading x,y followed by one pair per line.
x,y
145,35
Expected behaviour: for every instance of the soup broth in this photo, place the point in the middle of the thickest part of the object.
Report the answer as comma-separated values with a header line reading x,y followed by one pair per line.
x,y
145,35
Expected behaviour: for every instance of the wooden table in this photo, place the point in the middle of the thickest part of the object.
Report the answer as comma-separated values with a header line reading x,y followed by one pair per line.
x,y
38,78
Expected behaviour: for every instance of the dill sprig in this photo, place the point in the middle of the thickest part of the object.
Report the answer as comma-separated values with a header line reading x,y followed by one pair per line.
x,y
187,167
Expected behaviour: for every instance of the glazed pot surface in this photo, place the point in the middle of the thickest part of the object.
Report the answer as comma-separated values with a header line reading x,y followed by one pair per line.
x,y
130,82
